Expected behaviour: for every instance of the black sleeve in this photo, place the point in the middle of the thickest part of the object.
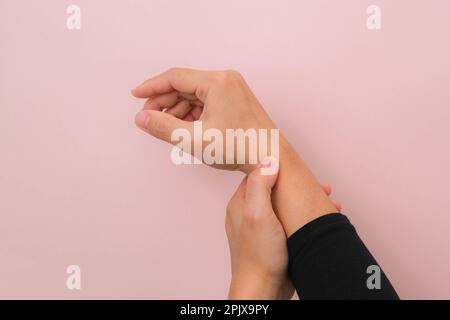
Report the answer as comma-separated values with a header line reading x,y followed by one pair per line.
x,y
328,260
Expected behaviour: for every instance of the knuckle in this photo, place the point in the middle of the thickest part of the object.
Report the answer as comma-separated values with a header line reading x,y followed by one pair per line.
x,y
173,70
253,218
233,74
227,78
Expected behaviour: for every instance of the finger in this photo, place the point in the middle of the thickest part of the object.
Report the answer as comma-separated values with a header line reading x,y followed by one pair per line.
x,y
189,117
188,96
161,125
192,98
259,187
327,188
338,206
150,105
163,101
181,109
198,103
182,80
197,112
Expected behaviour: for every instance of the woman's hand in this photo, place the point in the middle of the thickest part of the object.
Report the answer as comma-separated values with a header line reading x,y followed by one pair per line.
x,y
257,240
220,99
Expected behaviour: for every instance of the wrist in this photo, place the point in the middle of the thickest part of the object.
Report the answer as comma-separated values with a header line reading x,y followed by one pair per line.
x,y
251,286
264,142
298,197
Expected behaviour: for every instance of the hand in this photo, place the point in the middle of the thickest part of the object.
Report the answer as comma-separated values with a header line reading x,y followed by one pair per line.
x,y
220,99
257,240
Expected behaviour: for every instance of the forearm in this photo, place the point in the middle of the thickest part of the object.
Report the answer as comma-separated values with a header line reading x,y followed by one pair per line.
x,y
298,197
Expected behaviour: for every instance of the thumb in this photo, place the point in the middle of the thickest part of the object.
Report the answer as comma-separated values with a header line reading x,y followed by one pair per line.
x,y
160,124
260,183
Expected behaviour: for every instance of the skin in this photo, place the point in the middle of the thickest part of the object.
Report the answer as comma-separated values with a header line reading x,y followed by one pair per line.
x,y
223,100
257,241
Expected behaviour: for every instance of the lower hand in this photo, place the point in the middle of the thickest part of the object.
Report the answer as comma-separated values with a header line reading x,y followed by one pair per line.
x,y
257,240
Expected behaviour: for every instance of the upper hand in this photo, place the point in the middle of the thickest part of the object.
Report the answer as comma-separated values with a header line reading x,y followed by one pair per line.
x,y
220,99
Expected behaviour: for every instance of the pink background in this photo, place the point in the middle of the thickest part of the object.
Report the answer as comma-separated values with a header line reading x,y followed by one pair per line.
x,y
79,184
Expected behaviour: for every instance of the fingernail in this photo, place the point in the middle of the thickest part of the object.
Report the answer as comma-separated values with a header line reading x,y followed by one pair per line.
x,y
142,119
266,162
134,90
269,166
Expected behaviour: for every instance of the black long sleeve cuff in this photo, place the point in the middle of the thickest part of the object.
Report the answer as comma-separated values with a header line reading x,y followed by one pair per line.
x,y
328,260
